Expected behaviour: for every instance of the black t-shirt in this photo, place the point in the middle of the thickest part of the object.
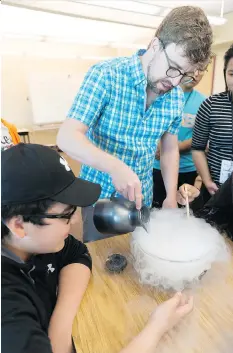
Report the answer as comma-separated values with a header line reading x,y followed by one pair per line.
x,y
29,293
219,209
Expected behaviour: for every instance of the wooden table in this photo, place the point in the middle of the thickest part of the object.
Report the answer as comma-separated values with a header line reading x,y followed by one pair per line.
x,y
116,307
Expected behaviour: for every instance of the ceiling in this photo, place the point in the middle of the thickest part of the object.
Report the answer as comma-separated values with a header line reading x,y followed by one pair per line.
x,y
102,22
145,13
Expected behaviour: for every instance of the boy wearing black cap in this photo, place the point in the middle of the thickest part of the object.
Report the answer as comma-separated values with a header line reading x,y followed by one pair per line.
x,y
45,271
38,208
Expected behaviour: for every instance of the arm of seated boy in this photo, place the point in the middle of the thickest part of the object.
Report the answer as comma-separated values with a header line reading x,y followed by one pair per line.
x,y
75,272
164,318
21,328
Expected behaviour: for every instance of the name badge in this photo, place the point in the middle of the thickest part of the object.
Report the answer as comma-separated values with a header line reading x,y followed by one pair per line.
x,y
226,170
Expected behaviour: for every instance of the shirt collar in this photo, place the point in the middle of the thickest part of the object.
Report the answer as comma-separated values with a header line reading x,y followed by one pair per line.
x,y
136,69
139,77
8,253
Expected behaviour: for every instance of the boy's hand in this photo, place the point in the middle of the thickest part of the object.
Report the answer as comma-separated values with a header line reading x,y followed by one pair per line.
x,y
171,312
191,190
211,187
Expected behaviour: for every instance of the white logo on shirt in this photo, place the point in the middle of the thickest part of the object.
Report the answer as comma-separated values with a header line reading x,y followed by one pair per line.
x,y
64,162
50,268
6,140
188,120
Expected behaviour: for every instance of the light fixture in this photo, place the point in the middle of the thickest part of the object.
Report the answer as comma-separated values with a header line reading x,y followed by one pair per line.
x,y
53,39
66,40
128,45
41,54
76,41
223,20
95,58
129,5
22,36
47,55
217,21
12,52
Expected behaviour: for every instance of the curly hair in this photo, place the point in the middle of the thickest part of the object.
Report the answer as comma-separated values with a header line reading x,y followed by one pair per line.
x,y
188,26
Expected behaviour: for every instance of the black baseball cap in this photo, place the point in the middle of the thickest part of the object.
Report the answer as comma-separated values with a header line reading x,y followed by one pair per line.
x,y
32,172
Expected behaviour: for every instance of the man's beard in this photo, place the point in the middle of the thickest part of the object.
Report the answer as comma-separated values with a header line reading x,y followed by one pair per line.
x,y
153,86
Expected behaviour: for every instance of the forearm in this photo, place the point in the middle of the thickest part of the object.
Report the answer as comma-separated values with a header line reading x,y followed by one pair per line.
x,y
200,161
73,282
185,146
169,163
75,144
198,182
145,342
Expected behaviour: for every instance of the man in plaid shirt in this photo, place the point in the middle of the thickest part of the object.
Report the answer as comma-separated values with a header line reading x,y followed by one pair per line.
x,y
126,105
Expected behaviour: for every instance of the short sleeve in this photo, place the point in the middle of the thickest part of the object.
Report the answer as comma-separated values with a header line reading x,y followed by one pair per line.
x,y
175,126
178,107
202,126
92,97
74,251
21,329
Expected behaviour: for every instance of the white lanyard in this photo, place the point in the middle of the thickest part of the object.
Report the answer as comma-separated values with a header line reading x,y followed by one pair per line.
x,y
227,166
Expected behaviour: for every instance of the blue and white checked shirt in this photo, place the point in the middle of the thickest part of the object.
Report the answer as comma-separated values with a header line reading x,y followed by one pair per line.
x,y
112,101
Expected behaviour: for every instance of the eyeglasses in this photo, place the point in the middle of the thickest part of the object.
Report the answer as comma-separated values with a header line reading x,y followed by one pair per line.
x,y
174,72
67,215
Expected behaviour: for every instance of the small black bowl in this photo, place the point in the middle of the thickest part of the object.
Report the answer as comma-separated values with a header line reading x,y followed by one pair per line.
x,y
116,263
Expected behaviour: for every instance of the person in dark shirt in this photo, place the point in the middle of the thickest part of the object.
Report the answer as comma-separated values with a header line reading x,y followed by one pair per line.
x,y
213,128
218,210
45,271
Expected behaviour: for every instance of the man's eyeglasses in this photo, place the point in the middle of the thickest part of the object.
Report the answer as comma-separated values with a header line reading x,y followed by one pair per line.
x,y
67,215
174,72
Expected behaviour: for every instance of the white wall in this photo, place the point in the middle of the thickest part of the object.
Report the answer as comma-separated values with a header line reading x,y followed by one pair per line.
x,y
18,63
16,105
223,38
224,34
